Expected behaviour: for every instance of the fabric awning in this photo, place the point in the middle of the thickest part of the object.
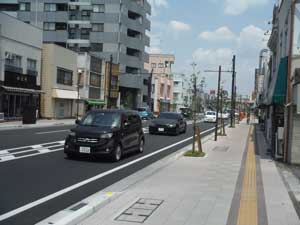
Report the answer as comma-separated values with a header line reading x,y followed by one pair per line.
x,y
95,102
279,95
21,90
64,94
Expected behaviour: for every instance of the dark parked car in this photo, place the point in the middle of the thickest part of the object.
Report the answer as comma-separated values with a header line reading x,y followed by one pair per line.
x,y
106,133
168,123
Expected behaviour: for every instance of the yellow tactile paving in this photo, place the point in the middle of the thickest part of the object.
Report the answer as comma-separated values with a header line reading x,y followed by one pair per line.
x,y
247,214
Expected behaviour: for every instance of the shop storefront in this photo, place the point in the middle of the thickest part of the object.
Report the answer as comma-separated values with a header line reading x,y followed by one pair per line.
x,y
13,100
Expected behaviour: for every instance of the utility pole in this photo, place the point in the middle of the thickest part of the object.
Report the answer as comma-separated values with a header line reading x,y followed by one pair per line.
x,y
109,82
218,96
79,72
232,117
218,101
150,89
194,103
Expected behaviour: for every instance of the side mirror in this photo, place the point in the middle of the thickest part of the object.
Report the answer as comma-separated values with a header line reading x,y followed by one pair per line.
x,y
77,122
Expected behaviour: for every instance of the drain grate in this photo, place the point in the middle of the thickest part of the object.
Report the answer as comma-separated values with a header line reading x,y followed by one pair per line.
x,y
140,211
221,149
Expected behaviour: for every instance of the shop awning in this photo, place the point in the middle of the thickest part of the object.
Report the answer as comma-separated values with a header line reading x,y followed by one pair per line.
x,y
95,102
64,94
21,90
279,95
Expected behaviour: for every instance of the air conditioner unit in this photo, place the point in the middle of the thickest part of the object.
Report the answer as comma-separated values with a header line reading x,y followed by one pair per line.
x,y
279,142
1,116
72,25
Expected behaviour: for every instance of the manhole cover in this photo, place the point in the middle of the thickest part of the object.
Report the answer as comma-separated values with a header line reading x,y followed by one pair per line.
x,y
140,211
221,149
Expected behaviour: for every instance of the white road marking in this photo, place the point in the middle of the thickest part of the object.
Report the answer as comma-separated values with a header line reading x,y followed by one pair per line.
x,y
87,181
52,132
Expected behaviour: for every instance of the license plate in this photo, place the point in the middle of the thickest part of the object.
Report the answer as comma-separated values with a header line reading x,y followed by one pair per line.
x,y
86,150
161,129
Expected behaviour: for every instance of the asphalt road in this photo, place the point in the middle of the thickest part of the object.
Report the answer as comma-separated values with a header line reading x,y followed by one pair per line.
x,y
25,180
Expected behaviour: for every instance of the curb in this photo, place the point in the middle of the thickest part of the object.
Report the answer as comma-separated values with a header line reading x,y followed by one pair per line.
x,y
81,210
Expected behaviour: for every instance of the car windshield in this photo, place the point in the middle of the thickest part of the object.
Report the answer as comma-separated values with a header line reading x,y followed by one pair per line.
x,y
141,110
210,113
102,119
171,116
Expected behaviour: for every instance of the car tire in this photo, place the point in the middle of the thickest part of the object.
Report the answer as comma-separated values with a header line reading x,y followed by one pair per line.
x,y
70,156
177,131
141,146
184,131
117,153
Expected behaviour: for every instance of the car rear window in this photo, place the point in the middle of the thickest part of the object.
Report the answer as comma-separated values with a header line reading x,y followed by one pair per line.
x,y
211,113
102,119
171,116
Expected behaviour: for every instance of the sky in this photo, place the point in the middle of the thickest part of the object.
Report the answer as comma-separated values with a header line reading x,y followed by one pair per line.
x,y
209,33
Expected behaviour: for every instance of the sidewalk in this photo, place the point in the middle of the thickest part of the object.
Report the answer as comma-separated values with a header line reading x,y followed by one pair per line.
x,y
40,123
205,191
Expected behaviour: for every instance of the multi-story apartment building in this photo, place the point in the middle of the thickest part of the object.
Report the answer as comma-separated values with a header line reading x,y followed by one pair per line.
x,y
101,27
162,83
20,66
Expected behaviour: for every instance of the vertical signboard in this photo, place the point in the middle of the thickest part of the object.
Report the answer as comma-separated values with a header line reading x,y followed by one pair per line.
x,y
296,46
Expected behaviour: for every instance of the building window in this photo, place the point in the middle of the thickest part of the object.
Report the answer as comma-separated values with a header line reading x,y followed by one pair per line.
x,y
145,81
13,60
49,26
25,6
160,65
98,27
153,88
97,47
153,65
49,7
31,64
64,77
60,26
85,15
85,34
95,80
100,8
168,91
61,7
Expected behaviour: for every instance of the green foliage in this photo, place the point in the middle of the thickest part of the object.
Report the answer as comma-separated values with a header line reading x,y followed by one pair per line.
x,y
190,153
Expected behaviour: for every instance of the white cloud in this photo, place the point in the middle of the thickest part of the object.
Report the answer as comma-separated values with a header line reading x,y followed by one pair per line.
x,y
237,7
179,26
248,42
157,4
220,34
214,57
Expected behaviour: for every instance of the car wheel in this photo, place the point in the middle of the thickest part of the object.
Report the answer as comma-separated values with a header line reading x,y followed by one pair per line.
x,y
70,155
177,131
117,153
184,131
141,146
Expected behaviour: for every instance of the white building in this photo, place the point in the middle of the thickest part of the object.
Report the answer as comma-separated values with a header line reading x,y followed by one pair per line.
x,y
20,66
182,94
